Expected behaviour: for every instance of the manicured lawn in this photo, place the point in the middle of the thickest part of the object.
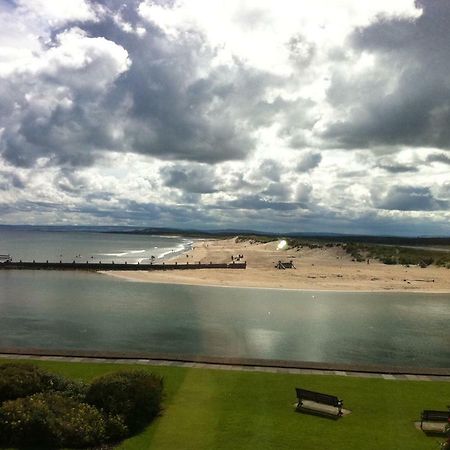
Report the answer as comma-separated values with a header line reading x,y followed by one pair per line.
x,y
215,409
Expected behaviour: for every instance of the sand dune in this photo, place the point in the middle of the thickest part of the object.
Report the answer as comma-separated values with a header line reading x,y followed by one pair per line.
x,y
316,269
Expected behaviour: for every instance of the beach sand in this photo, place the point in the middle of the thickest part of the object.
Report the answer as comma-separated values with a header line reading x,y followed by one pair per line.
x,y
315,269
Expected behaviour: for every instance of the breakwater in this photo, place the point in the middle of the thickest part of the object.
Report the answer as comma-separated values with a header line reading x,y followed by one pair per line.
x,y
46,265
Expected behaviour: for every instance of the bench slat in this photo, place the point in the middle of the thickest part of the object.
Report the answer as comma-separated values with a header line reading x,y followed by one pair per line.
x,y
303,394
429,415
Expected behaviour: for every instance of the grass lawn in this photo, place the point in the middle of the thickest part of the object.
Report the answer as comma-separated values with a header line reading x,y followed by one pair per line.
x,y
216,409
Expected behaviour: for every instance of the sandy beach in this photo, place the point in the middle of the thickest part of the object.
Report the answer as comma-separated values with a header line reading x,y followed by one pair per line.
x,y
315,269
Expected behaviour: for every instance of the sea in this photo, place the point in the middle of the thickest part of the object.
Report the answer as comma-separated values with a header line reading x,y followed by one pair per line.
x,y
91,311
44,244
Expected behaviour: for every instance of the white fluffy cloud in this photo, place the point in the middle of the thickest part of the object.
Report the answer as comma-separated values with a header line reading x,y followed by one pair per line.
x,y
258,31
57,12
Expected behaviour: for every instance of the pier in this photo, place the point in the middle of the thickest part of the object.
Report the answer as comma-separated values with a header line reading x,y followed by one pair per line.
x,y
95,266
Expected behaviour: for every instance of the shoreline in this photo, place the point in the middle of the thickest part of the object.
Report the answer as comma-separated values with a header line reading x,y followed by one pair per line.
x,y
316,270
133,279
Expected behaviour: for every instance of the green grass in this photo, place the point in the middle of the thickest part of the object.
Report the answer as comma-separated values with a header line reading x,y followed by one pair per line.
x,y
215,409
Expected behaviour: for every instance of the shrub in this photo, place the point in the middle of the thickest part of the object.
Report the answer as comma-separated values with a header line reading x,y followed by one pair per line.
x,y
389,261
406,260
134,395
55,420
20,380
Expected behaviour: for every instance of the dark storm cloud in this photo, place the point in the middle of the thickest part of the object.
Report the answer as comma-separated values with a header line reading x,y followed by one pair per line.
x,y
176,114
409,198
199,179
158,106
405,98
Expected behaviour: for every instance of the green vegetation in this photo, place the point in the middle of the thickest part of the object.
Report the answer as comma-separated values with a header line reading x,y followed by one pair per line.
x,y
361,251
133,395
256,238
54,420
44,409
22,380
398,255
218,410
310,243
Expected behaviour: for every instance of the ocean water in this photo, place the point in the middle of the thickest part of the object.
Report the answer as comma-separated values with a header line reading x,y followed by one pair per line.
x,y
70,246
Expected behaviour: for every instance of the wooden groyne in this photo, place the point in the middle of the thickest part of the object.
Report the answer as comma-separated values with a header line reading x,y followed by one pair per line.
x,y
34,265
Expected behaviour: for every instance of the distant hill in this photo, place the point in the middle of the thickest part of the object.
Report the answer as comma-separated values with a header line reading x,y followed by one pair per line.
x,y
230,232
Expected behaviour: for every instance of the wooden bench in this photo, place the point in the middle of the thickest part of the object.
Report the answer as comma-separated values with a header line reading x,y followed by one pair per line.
x,y
429,415
318,403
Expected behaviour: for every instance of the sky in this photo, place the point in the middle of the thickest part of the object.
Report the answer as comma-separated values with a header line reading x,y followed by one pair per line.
x,y
290,116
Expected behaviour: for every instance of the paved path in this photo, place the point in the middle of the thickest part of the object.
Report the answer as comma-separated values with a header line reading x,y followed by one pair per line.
x,y
244,368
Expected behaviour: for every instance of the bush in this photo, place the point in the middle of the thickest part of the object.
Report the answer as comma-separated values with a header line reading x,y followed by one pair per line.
x,y
134,395
389,261
20,380
55,420
406,260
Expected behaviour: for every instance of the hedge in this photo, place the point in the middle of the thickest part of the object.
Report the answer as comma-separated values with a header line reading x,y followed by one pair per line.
x,y
134,395
55,420
19,380
39,408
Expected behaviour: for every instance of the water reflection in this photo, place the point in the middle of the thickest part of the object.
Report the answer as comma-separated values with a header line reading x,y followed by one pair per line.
x,y
88,311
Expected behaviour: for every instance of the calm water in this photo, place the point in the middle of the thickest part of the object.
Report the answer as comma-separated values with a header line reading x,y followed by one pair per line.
x,y
91,311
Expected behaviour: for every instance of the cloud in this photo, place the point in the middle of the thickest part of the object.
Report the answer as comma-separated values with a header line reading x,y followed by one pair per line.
x,y
401,95
270,169
256,202
104,89
303,193
278,191
301,51
225,114
394,167
60,115
58,12
438,157
9,181
199,179
72,182
308,161
410,198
